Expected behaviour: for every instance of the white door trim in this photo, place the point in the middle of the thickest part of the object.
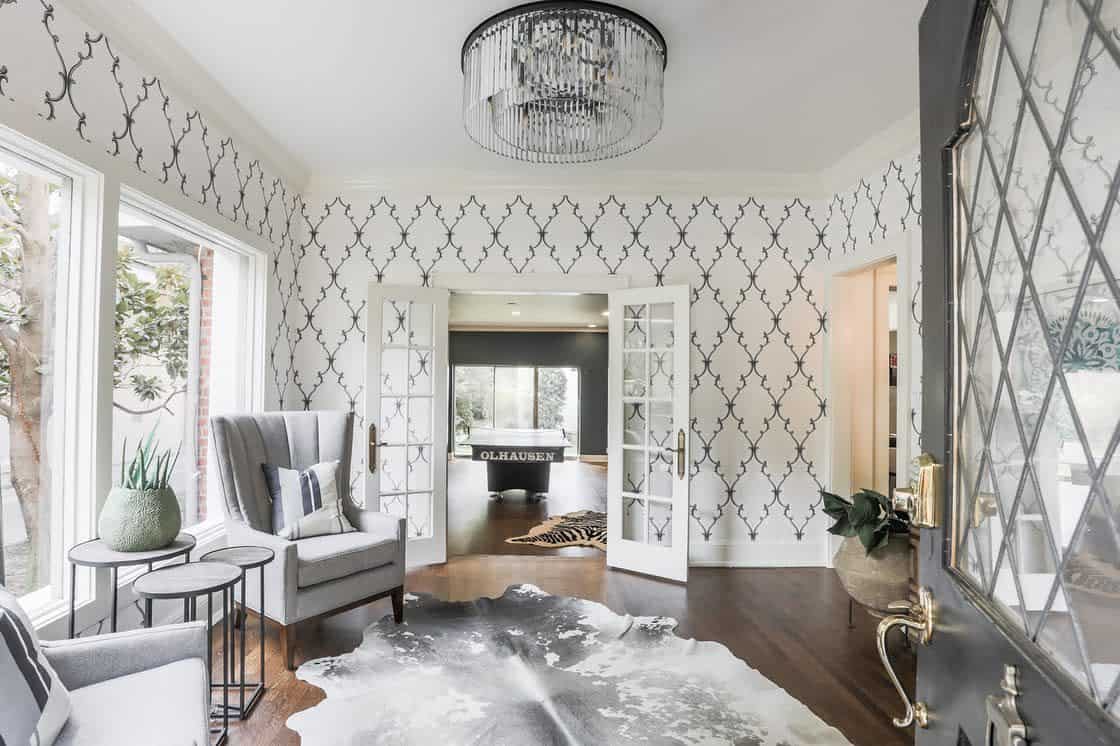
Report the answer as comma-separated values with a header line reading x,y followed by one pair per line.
x,y
837,425
535,283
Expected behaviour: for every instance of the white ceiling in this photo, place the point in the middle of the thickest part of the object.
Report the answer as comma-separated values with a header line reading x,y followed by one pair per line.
x,y
357,88
535,311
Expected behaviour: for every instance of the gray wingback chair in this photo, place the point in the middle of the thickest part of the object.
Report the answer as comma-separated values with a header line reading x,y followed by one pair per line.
x,y
316,576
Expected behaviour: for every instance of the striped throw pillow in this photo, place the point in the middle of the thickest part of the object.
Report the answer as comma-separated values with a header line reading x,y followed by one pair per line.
x,y
34,705
305,503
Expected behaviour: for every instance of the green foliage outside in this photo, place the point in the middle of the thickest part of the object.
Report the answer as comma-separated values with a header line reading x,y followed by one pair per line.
x,y
152,347
151,353
552,397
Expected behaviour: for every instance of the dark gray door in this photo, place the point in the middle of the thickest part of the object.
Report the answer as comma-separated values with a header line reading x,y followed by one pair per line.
x,y
1020,125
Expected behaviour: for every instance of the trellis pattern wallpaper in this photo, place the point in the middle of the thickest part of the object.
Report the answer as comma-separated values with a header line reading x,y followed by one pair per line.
x,y
72,77
758,317
754,266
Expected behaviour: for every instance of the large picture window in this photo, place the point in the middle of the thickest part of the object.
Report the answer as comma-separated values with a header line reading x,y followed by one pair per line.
x,y
515,397
35,209
173,366
101,343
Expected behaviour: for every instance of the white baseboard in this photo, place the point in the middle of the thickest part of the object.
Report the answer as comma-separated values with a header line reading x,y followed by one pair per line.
x,y
757,554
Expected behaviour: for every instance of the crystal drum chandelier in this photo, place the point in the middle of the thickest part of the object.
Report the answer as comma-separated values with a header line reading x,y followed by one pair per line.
x,y
563,82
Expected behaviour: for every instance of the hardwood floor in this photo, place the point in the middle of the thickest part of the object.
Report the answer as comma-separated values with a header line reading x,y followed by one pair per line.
x,y
790,624
477,524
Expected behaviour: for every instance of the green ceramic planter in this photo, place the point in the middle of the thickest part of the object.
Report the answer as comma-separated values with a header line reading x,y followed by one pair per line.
x,y
139,520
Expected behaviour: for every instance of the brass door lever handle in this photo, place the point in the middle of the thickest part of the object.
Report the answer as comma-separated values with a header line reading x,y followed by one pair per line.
x,y
918,617
374,443
678,452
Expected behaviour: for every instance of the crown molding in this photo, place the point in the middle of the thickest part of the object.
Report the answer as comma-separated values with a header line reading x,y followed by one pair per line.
x,y
134,33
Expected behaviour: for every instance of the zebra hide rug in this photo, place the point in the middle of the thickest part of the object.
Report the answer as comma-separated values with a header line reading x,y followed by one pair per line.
x,y
584,528
530,668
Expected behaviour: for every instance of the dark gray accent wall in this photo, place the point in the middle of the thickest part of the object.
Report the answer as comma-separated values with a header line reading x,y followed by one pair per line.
x,y
587,351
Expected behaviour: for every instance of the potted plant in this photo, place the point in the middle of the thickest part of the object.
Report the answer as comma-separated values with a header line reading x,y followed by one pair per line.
x,y
873,562
142,513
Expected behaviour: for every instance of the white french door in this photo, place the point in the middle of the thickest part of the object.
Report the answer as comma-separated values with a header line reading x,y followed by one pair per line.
x,y
648,438
406,413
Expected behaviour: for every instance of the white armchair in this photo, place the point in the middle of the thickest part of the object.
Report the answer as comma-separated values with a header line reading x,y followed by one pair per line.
x,y
320,575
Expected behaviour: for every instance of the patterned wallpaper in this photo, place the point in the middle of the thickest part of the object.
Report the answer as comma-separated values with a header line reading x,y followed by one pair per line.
x,y
754,266
71,77
758,319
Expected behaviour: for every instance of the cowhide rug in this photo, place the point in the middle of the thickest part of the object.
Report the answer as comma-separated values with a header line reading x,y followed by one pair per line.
x,y
584,528
532,668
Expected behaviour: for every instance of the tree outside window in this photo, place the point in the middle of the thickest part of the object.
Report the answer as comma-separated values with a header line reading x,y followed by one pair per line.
x,y
150,366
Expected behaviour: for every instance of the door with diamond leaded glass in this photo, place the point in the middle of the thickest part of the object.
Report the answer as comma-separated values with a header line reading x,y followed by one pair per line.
x,y
647,438
1020,120
406,413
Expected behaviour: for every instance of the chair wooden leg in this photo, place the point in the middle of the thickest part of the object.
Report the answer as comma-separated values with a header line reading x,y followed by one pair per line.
x,y
288,645
398,604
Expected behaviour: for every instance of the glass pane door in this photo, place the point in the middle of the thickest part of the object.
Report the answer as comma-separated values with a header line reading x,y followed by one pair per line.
x,y
648,470
407,412
1037,400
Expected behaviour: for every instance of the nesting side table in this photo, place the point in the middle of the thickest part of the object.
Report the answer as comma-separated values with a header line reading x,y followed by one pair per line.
x,y
188,582
96,553
246,559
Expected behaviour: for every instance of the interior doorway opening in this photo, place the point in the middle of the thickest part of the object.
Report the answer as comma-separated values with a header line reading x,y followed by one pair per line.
x,y
644,399
865,358
528,417
870,331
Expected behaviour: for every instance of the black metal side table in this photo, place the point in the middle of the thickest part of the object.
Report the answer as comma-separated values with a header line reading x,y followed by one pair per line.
x,y
188,582
245,558
96,553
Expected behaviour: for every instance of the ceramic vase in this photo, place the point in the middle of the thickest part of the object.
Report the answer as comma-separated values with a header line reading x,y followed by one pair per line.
x,y
139,520
875,580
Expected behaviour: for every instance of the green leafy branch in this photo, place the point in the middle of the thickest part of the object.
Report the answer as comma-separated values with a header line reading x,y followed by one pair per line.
x,y
868,515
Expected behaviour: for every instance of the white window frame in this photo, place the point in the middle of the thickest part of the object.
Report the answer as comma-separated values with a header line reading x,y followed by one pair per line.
x,y
576,453
253,383
78,319
192,267
81,458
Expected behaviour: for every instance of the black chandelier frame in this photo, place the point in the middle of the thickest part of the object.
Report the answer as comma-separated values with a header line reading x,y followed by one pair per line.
x,y
565,5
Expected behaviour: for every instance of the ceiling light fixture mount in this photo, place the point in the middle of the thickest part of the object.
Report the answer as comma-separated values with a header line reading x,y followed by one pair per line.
x,y
563,82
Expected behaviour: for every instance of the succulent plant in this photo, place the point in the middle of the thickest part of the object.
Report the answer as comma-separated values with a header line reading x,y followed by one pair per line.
x,y
150,467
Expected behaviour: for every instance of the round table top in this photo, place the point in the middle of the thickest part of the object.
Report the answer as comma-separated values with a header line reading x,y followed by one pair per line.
x,y
96,553
246,557
190,579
